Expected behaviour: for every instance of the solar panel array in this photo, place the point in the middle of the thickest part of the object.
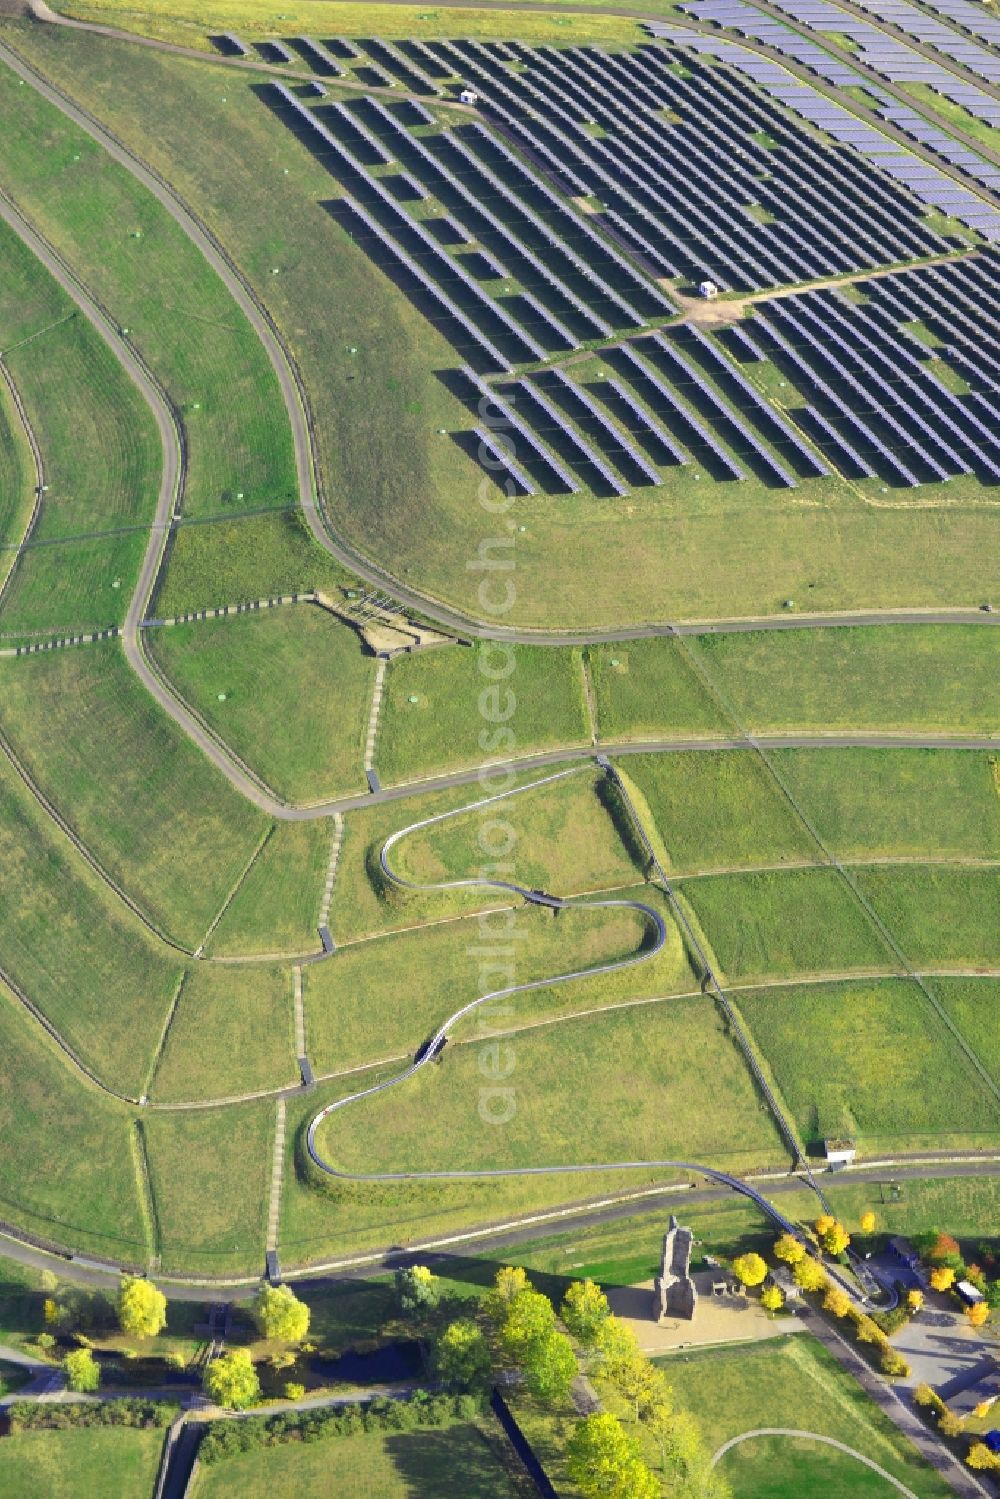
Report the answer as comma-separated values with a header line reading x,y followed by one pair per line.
x,y
683,172
876,390
685,192
926,183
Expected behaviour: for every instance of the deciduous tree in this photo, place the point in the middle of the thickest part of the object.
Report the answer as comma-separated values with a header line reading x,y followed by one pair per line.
x,y
942,1278
868,1222
789,1248
461,1354
978,1313
83,1372
750,1269
809,1275
550,1368
837,1301
508,1282
772,1299
604,1463
231,1381
418,1290
142,1307
584,1310
280,1314
914,1299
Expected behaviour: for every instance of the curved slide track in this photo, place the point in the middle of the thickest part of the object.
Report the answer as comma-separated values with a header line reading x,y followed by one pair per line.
x,y
812,1436
432,1047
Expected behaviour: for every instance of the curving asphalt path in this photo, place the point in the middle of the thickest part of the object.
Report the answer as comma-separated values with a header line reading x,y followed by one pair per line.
x,y
811,1436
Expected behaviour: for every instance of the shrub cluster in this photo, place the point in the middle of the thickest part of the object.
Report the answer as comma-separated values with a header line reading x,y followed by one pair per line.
x,y
229,1438
32,1415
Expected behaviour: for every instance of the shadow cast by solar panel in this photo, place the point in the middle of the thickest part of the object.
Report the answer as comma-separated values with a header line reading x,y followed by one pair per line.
x,y
594,432
670,419
623,414
392,265
227,45
560,442
542,476
313,61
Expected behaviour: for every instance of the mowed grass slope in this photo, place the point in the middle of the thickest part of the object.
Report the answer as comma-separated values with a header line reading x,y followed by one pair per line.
x,y
902,803
471,1459
653,1083
940,915
232,1033
210,1171
143,800
276,908
75,950
238,561
383,998
405,494
100,453
564,834
777,923
289,689
80,1464
937,678
719,809
648,689
872,1061
463,715
66,1169
17,480
97,436
130,253
793,1382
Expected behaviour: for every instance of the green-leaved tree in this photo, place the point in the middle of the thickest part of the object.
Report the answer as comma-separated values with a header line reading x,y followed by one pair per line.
x,y
231,1381
280,1315
142,1307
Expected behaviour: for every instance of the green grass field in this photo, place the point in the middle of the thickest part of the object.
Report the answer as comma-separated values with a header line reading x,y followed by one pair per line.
x,y
461,713
939,915
129,252
905,803
296,685
238,561
719,810
231,1033
564,837
66,1170
100,447
211,1174
381,999
793,1382
658,1082
190,23
647,689
69,587
402,492
471,1459
100,452
145,802
777,923
276,908
361,904
74,949
871,1061
17,480
80,1464
903,677
971,1004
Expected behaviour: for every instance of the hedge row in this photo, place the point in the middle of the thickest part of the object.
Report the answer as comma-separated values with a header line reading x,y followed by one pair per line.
x,y
229,1438
32,1415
